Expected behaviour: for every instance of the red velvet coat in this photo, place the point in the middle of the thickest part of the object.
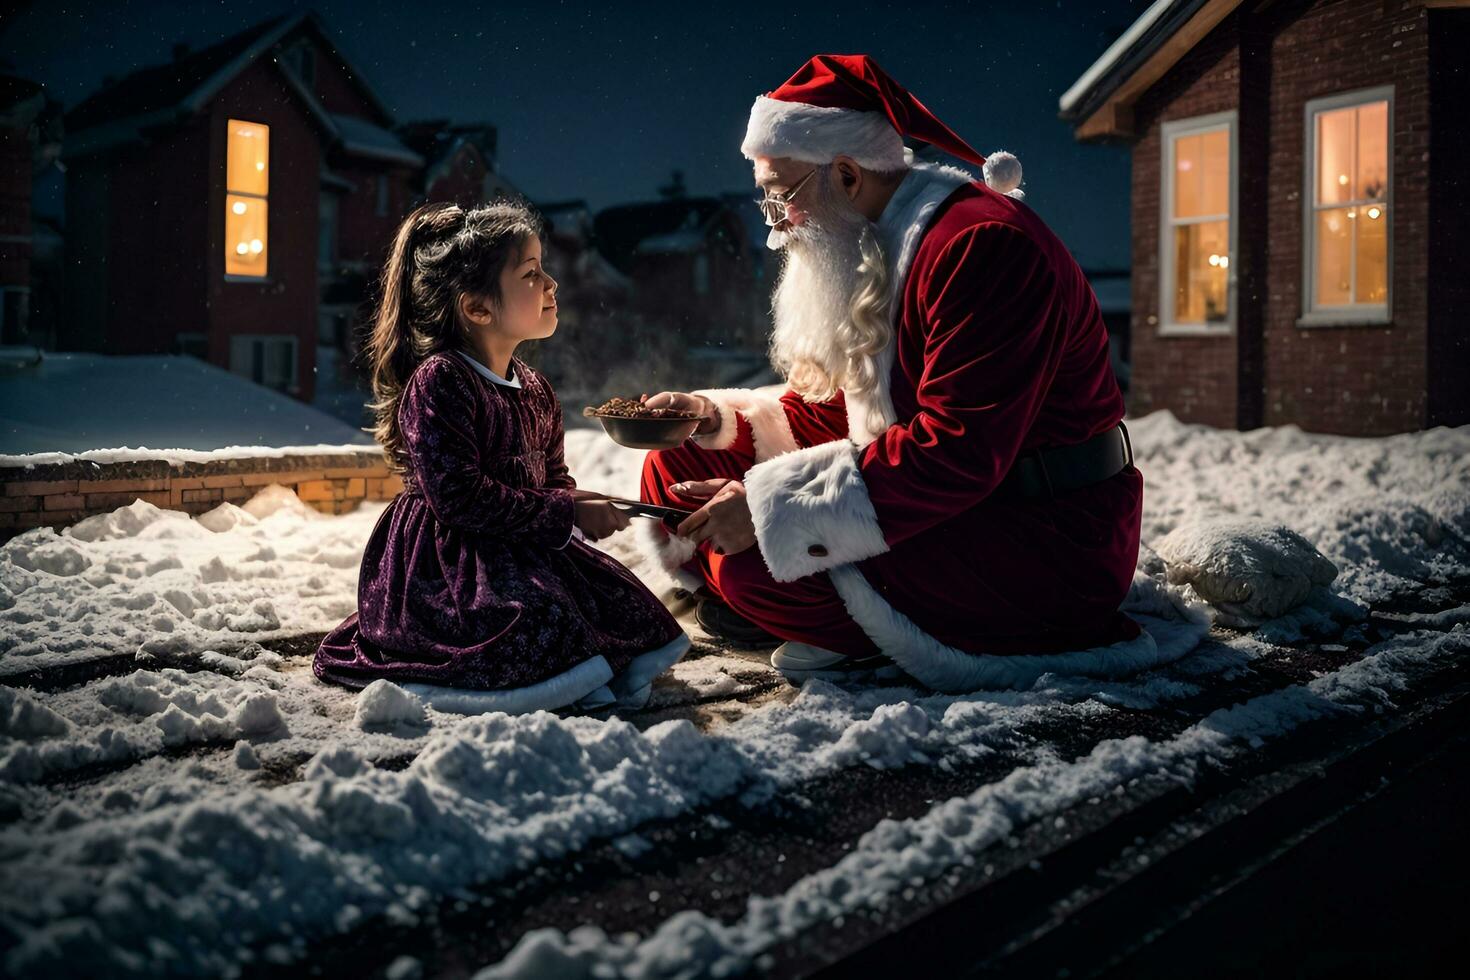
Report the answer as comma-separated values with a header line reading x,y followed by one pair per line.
x,y
999,348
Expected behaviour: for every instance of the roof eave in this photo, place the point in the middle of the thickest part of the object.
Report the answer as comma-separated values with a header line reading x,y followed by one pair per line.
x,y
1100,104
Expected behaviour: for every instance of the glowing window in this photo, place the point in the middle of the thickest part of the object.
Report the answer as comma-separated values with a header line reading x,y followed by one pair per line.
x,y
247,183
1347,242
1196,246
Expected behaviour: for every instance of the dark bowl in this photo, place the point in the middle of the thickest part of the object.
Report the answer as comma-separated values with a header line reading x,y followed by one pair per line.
x,y
648,433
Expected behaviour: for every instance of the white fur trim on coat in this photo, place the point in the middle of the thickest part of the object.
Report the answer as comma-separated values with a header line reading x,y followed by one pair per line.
x,y
944,668
900,230
668,551
818,134
769,427
812,498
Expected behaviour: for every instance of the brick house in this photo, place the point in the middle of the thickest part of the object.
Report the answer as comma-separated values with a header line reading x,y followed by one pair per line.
x,y
691,265
212,201
1298,202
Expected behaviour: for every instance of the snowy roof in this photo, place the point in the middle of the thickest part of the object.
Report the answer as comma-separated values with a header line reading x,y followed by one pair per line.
x,y
1139,57
365,138
166,93
688,240
71,403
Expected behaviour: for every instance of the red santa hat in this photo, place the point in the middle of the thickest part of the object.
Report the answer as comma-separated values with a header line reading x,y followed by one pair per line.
x,y
845,105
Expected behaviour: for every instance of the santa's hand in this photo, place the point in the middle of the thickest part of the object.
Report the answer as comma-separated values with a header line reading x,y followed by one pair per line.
x,y
725,521
682,401
698,489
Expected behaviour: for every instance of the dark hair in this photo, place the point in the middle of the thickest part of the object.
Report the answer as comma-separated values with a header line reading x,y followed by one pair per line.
x,y
439,253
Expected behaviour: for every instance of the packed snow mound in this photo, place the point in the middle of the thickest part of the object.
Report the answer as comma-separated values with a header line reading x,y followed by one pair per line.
x,y
226,516
276,498
134,520
1249,570
383,704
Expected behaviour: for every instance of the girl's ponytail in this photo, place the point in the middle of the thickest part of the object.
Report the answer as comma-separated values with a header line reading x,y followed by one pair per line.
x,y
392,349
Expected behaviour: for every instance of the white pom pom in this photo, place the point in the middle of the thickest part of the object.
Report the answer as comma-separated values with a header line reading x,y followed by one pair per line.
x,y
1002,172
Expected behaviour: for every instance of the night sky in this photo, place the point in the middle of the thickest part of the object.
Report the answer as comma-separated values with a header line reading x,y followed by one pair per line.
x,y
603,101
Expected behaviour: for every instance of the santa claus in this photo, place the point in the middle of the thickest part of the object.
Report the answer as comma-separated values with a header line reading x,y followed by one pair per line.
x,y
945,485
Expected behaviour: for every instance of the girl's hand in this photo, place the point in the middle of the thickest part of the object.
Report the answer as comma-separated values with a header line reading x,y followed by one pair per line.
x,y
681,401
725,520
599,519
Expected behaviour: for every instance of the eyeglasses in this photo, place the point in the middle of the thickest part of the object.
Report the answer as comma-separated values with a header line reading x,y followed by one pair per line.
x,y
773,206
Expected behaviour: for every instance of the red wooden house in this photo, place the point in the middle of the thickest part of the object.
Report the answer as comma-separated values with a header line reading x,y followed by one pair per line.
x,y
211,201
1299,200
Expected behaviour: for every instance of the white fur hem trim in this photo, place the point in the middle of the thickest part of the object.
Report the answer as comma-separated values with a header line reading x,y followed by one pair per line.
x,y
560,691
641,671
668,551
946,669
770,430
818,134
810,498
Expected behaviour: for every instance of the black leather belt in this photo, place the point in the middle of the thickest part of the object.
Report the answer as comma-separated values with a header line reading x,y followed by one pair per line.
x,y
1046,473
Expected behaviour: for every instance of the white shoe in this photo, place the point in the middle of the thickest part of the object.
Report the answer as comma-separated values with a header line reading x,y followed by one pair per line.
x,y
799,661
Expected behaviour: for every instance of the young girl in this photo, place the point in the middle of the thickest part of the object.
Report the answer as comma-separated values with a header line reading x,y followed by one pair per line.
x,y
477,590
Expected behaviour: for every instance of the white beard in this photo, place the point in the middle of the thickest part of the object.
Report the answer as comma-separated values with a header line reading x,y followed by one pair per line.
x,y
813,306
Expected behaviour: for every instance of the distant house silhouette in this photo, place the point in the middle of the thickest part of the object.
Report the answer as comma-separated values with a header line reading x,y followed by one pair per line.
x,y
691,265
22,103
214,202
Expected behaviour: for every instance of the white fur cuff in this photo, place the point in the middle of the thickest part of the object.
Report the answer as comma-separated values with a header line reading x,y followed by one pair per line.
x,y
667,551
769,428
811,511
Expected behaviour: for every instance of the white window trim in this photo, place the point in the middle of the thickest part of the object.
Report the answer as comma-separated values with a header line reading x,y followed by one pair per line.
x,y
1169,132
1356,314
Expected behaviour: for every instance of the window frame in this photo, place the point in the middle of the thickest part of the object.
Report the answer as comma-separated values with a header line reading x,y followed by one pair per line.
x,y
1168,133
237,277
1354,314
293,385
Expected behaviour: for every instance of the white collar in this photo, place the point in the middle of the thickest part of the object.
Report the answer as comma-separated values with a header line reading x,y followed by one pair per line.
x,y
489,374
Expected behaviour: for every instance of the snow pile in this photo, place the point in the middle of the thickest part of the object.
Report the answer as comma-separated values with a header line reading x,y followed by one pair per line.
x,y
903,855
383,704
193,819
1249,570
1393,513
156,582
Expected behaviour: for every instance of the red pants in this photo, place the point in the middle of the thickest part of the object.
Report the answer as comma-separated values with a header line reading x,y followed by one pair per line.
x,y
808,610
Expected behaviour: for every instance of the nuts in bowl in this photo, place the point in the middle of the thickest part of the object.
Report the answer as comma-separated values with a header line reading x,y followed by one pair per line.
x,y
631,423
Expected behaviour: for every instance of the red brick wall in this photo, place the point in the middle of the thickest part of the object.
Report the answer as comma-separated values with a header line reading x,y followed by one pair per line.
x,y
1194,377
362,233
286,301
1358,380
1351,379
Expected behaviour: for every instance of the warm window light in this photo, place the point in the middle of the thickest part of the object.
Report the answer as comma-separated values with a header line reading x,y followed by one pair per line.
x,y
247,205
1349,257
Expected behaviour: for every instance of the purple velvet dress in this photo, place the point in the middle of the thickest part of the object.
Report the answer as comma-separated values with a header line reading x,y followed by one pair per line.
x,y
472,577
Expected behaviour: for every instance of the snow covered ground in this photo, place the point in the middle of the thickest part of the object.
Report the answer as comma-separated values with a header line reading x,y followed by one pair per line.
x,y
177,793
